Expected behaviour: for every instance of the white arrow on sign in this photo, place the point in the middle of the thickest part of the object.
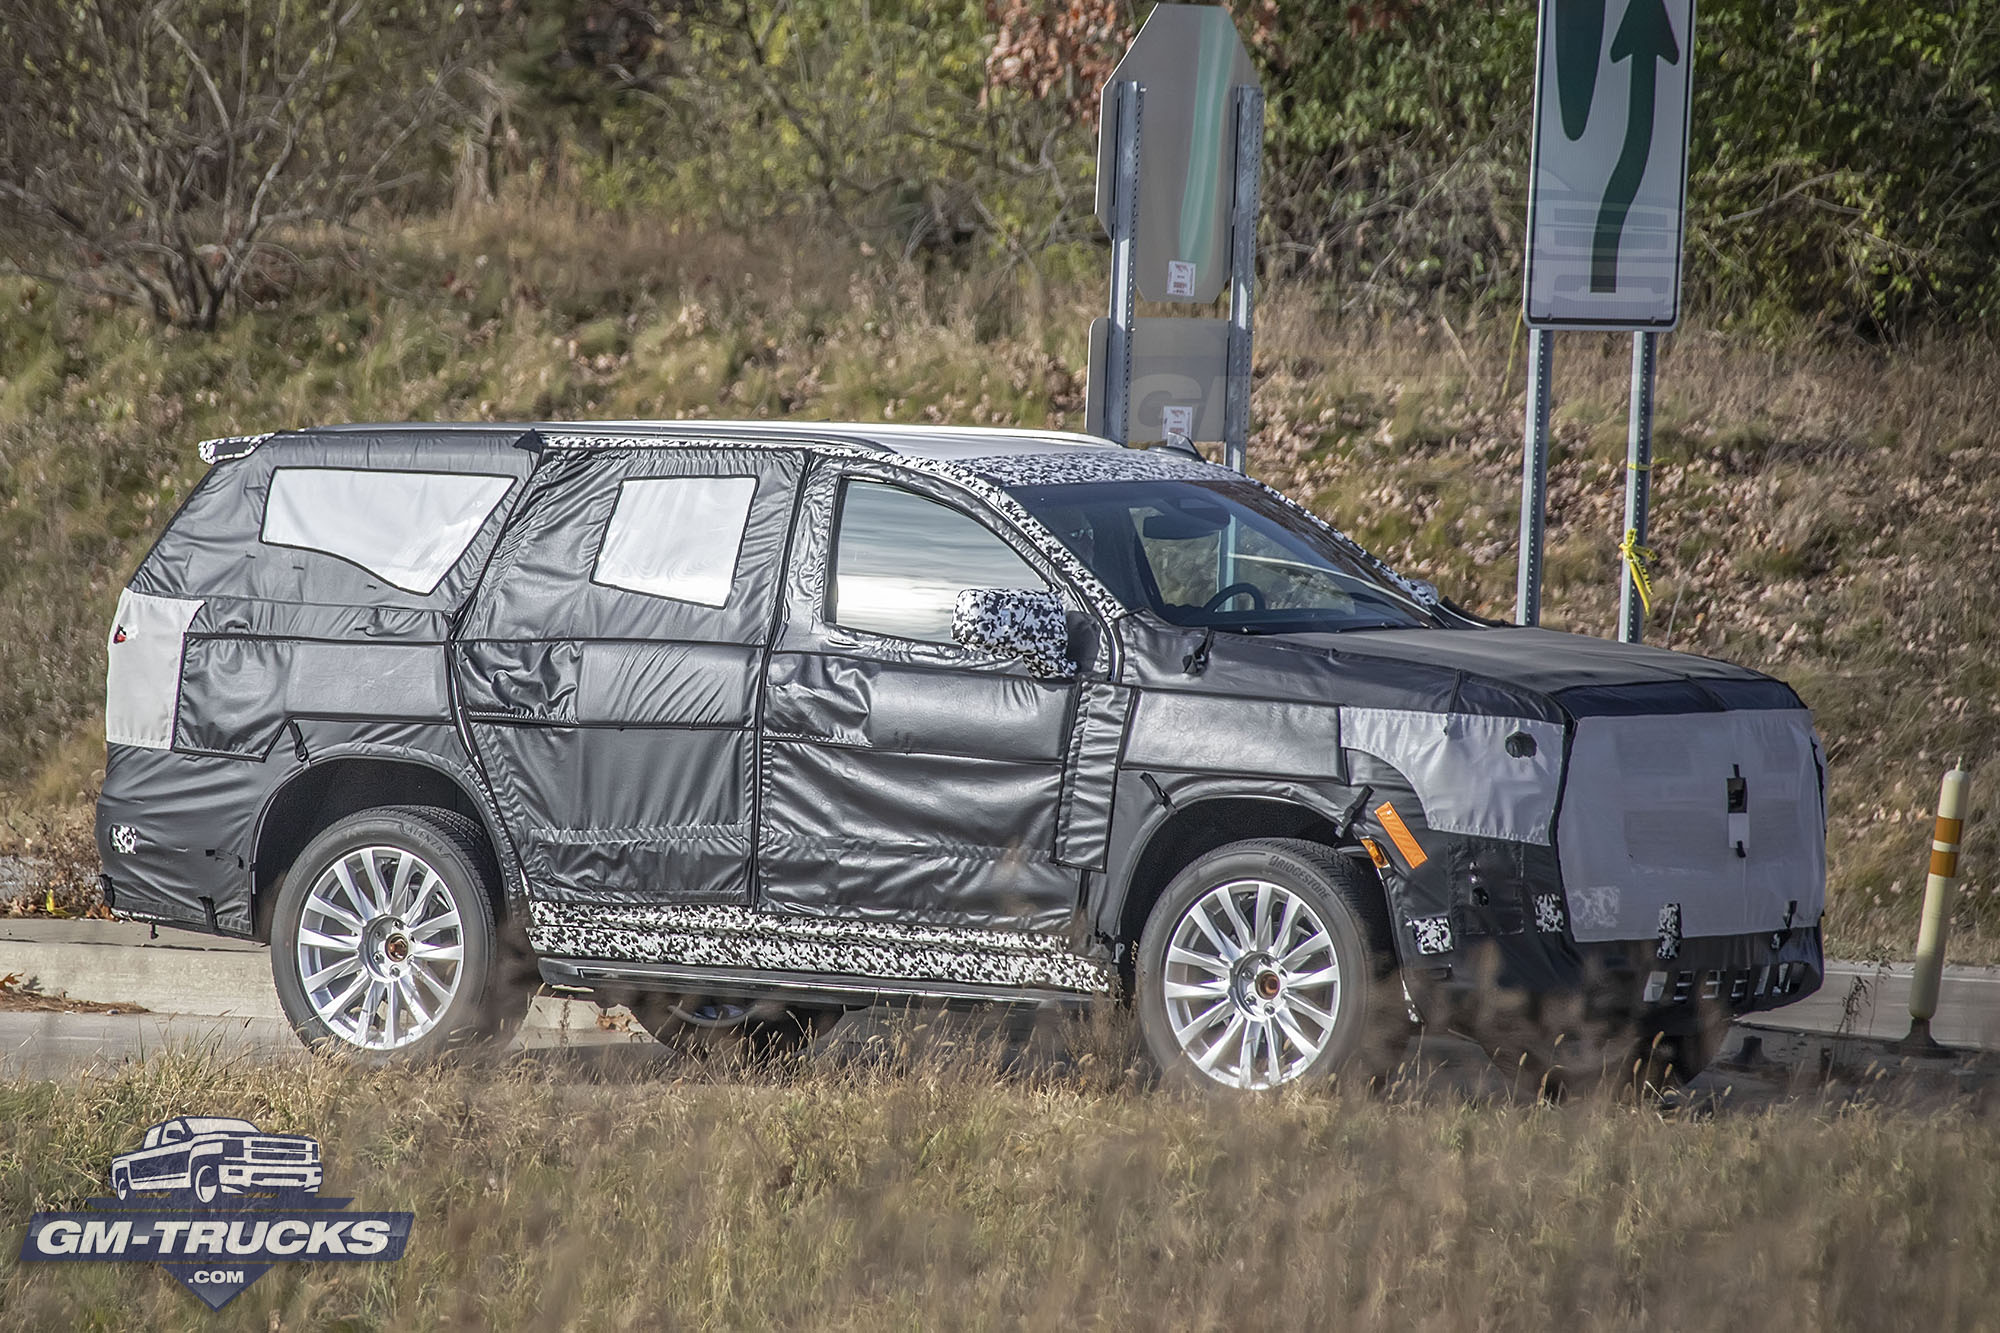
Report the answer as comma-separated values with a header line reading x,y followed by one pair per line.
x,y
1607,197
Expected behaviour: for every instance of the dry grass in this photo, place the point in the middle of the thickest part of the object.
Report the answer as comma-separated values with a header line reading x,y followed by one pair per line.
x,y
1826,514
57,872
936,1193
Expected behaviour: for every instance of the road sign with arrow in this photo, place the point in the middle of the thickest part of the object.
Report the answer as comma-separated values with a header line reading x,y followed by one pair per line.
x,y
1608,189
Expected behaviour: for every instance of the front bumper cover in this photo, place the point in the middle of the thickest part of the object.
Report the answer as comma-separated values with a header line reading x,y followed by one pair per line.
x,y
1616,986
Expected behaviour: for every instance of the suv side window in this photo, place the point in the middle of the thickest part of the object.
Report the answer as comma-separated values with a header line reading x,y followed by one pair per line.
x,y
676,537
406,528
900,561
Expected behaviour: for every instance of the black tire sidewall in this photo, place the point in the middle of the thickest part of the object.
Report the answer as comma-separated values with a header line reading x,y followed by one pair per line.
x,y
466,1017
1357,1019
791,1029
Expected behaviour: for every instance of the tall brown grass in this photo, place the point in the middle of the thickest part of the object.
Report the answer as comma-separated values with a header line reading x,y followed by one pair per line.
x,y
937,1191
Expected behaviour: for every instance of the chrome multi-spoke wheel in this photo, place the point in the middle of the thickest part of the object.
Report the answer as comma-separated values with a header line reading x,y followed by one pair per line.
x,y
381,947
1264,963
385,938
1252,984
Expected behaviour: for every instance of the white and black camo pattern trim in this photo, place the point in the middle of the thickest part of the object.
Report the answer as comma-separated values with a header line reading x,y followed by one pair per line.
x,y
725,936
228,447
1432,934
1670,931
1549,915
1011,622
1079,574
1091,465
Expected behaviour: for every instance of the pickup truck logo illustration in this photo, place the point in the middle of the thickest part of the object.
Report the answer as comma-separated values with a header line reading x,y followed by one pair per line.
x,y
215,1201
209,1156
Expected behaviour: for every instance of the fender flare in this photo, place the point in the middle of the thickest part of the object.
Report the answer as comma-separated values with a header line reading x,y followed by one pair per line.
x,y
465,778
1188,792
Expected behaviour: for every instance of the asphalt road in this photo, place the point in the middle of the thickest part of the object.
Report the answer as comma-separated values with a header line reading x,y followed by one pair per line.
x,y
1869,1001
48,1045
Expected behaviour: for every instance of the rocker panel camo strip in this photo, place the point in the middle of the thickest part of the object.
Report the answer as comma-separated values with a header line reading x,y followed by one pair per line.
x,y
736,937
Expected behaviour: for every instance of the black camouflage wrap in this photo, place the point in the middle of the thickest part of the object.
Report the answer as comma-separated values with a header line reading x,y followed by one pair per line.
x,y
752,787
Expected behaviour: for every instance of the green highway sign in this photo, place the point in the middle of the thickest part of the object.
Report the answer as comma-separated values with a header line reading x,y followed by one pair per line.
x,y
1608,189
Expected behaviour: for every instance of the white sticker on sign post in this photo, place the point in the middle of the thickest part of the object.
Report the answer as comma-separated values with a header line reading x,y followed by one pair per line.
x,y
1180,278
1607,193
1179,378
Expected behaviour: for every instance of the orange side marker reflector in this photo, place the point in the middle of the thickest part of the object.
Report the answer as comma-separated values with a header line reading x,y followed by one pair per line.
x,y
1399,833
1376,854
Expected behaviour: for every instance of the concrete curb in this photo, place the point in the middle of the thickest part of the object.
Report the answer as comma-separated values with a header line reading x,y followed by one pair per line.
x,y
185,972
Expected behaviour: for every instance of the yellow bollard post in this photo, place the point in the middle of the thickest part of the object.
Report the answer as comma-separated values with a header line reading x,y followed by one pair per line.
x,y
1939,891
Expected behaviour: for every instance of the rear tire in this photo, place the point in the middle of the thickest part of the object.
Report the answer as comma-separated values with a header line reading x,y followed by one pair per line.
x,y
709,1026
385,941
1268,962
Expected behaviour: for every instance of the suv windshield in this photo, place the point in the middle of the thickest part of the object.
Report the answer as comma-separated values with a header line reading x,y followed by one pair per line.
x,y
1218,553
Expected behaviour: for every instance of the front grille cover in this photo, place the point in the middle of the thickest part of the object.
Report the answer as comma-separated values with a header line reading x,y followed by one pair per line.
x,y
282,1150
1646,825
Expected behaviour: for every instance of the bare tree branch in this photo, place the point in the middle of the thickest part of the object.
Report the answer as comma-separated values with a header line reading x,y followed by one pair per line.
x,y
164,141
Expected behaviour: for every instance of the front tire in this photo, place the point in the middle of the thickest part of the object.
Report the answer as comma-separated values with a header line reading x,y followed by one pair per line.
x,y
1268,962
207,1184
384,941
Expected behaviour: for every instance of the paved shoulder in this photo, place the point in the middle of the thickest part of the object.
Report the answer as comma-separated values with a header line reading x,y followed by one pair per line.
x,y
1873,1000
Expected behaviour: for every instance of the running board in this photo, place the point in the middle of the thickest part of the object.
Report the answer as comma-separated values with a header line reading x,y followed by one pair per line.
x,y
743,984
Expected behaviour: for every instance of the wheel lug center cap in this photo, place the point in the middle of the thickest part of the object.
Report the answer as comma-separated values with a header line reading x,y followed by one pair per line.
x,y
396,948
1257,984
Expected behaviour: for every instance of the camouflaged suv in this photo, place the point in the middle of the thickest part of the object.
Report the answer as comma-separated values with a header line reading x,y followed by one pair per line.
x,y
744,724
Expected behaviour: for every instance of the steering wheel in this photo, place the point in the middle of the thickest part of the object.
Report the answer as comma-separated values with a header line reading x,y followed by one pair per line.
x,y
1236,590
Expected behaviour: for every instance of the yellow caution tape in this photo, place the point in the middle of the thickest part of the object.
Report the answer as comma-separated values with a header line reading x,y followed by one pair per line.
x,y
1638,559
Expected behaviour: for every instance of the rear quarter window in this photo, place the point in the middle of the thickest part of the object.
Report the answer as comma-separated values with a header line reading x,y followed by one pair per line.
x,y
407,528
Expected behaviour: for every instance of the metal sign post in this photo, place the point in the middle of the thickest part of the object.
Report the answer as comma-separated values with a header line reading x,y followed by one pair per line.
x,y
1180,205
1243,273
1127,100
1607,205
1635,592
1534,479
